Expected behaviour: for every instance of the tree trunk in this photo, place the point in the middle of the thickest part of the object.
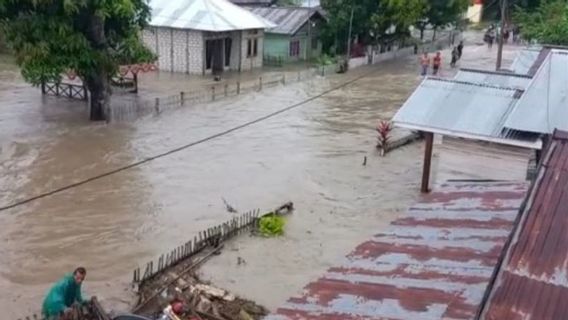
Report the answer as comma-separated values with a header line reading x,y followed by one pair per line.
x,y
99,89
434,34
98,80
421,33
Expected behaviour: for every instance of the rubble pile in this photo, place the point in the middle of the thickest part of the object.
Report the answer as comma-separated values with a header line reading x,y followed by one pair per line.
x,y
180,294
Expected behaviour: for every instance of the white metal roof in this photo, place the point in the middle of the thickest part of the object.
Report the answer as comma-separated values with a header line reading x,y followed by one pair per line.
x,y
204,15
544,105
525,60
463,109
500,79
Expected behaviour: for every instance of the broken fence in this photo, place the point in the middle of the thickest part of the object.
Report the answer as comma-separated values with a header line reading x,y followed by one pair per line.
x,y
222,232
136,108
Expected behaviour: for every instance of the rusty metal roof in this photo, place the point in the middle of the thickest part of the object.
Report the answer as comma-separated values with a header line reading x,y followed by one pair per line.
x,y
533,281
433,263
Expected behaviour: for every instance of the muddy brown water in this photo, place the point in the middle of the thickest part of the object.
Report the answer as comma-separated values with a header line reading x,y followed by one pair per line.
x,y
311,155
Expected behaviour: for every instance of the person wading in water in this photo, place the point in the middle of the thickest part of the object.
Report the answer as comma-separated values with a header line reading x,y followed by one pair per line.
x,y
425,63
64,294
437,63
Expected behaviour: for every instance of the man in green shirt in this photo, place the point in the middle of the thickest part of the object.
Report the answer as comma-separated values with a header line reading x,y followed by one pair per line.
x,y
64,294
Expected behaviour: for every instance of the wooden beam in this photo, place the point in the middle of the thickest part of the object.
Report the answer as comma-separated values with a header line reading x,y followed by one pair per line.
x,y
429,139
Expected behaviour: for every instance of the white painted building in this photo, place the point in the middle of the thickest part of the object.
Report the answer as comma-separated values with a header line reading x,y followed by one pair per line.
x,y
205,36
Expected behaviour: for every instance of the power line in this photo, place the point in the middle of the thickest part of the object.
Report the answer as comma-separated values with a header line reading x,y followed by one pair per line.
x,y
178,149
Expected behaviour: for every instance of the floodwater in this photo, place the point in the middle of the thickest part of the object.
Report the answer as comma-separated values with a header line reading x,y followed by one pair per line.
x,y
311,155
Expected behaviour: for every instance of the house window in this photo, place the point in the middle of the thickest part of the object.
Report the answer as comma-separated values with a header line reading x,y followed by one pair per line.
x,y
252,47
249,48
208,54
294,48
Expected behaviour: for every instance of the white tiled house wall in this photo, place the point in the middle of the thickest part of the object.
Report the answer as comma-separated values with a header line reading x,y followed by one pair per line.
x,y
180,51
149,38
186,49
196,49
164,52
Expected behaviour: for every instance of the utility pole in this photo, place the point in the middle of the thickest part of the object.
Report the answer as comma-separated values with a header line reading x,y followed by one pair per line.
x,y
309,41
349,36
500,48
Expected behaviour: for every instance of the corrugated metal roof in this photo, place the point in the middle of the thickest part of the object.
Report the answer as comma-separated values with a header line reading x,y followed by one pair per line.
x,y
264,3
533,281
463,109
288,20
544,105
507,80
205,15
524,60
433,263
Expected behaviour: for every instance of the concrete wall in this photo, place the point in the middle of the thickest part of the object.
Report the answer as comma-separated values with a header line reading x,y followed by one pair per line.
x,y
184,50
177,50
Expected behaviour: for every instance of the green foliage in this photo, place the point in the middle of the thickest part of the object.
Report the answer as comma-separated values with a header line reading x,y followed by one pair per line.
x,y
93,37
380,21
374,21
272,225
285,3
547,24
442,13
326,60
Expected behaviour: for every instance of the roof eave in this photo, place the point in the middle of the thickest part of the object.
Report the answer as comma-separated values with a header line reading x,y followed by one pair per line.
x,y
536,145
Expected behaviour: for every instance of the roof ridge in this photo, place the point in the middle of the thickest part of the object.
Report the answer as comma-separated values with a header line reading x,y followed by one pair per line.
x,y
483,85
499,73
560,135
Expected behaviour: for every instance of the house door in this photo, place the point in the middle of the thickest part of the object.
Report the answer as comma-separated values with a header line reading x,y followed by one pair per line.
x,y
214,55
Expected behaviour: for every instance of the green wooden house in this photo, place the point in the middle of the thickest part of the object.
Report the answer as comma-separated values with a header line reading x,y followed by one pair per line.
x,y
296,35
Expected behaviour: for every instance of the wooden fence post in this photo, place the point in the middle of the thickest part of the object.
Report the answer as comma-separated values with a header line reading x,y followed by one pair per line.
x,y
182,97
260,84
213,93
238,87
157,106
226,89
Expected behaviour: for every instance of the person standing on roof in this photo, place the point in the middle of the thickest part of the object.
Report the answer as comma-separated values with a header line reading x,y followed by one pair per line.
x,y
425,63
437,63
64,294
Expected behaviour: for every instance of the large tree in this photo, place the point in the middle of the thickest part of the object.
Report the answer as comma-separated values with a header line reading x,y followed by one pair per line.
x,y
547,24
374,21
91,37
441,13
